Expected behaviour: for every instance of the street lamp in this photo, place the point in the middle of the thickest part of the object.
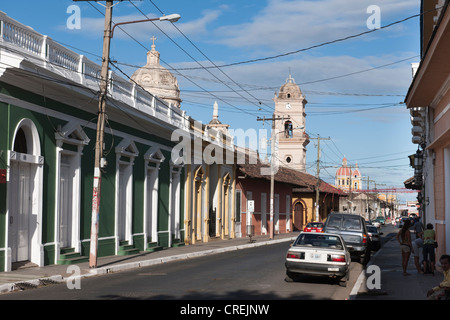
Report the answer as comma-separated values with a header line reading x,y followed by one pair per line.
x,y
171,18
99,160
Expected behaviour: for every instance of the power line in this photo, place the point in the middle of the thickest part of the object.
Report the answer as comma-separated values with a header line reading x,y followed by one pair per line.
x,y
203,67
321,44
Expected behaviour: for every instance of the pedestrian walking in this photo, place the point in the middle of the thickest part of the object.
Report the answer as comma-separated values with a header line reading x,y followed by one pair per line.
x,y
429,242
417,245
404,238
418,227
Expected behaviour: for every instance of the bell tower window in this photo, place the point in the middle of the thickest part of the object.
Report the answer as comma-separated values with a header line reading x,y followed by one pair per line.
x,y
288,129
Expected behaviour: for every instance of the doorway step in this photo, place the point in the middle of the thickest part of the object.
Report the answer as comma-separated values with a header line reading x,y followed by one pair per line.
x,y
69,256
126,249
153,246
177,243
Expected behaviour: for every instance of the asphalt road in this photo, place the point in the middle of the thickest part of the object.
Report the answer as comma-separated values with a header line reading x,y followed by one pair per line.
x,y
250,274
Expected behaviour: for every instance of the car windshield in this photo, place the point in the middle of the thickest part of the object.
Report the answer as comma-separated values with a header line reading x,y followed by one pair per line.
x,y
319,240
334,222
372,229
351,223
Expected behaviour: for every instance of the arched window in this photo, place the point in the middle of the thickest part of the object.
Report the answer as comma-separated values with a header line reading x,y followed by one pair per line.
x,y
20,142
288,129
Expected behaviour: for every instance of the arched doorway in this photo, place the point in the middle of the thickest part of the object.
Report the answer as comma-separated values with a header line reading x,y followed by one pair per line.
x,y
25,194
197,215
298,216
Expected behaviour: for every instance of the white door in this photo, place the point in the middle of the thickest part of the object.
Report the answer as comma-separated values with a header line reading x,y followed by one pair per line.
x,y
122,205
65,202
152,202
20,211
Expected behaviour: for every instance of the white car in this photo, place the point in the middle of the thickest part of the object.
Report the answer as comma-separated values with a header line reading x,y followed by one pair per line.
x,y
318,254
376,223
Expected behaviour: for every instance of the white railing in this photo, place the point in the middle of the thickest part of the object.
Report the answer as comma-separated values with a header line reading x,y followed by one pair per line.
x,y
51,55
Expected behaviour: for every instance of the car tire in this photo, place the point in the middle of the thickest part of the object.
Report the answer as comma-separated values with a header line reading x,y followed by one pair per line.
x,y
343,281
289,277
364,258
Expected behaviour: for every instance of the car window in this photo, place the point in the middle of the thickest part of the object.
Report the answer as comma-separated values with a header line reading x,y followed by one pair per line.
x,y
372,229
334,222
319,240
351,223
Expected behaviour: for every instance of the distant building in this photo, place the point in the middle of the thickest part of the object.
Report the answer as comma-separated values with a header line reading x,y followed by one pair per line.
x,y
348,179
158,80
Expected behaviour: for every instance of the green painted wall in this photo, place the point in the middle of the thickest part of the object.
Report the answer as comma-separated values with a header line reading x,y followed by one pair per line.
x,y
46,125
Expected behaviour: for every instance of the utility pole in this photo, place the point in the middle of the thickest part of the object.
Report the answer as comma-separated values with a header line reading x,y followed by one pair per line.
x,y
367,196
98,162
318,174
272,174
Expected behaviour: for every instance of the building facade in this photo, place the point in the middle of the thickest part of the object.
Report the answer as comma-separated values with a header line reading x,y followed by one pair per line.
x,y
151,197
428,100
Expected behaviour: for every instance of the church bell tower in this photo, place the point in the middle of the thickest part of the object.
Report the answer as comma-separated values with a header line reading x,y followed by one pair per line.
x,y
290,131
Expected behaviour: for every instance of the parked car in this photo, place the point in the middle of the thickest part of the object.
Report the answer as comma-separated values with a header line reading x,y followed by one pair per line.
x,y
376,223
381,219
375,237
318,254
353,230
314,227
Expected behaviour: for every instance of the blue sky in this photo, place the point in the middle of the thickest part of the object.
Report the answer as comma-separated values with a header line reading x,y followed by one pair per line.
x,y
358,109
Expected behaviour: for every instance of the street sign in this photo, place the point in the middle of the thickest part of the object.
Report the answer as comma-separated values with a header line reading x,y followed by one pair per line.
x,y
251,205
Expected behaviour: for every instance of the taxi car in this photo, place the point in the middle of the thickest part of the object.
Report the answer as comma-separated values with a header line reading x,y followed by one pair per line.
x,y
318,254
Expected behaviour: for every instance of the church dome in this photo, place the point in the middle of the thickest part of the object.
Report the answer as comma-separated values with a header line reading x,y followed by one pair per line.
x,y
290,90
344,170
157,80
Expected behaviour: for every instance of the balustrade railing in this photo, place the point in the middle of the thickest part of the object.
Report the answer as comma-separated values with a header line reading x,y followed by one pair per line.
x,y
52,55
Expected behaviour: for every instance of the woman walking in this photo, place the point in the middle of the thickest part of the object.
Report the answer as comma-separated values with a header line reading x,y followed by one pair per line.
x,y
404,238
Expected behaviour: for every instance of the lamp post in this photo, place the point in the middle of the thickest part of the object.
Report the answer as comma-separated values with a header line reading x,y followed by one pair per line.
x,y
99,160
171,17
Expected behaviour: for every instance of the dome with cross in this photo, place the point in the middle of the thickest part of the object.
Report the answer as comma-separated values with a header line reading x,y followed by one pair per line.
x,y
157,80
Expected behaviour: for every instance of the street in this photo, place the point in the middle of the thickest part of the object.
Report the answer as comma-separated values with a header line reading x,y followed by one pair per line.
x,y
250,274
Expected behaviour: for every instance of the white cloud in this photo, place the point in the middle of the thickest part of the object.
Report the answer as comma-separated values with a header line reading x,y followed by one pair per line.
x,y
283,25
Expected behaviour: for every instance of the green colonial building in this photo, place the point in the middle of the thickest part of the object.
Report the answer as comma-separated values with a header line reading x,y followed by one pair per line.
x,y
48,115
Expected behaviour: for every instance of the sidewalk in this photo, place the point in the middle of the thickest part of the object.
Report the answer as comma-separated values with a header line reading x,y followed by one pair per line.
x,y
29,277
394,285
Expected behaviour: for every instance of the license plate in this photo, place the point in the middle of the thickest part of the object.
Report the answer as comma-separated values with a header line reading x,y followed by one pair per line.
x,y
315,256
333,269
